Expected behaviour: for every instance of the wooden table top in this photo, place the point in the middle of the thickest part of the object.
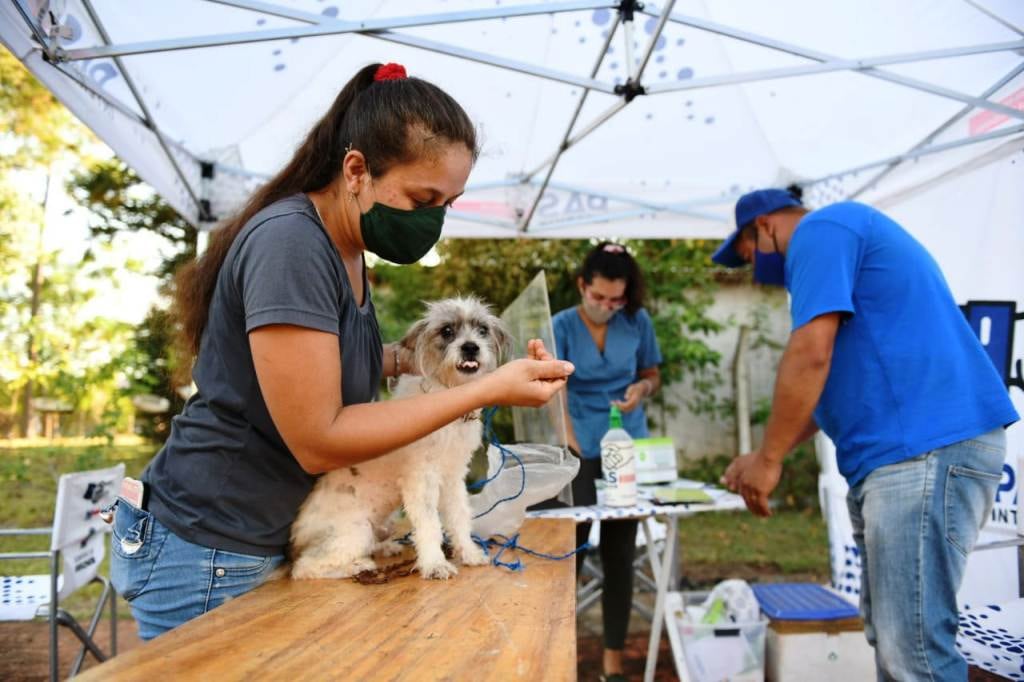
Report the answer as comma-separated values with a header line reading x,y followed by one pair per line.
x,y
485,623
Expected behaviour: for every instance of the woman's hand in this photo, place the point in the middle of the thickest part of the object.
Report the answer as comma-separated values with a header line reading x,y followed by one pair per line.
x,y
535,350
635,393
527,382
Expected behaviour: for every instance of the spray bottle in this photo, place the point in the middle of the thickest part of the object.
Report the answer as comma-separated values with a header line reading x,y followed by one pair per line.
x,y
618,462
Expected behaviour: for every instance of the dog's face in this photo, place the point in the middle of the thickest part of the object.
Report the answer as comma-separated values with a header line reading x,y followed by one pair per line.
x,y
458,340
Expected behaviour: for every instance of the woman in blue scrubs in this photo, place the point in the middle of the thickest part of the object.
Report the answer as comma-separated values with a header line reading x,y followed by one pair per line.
x,y
610,339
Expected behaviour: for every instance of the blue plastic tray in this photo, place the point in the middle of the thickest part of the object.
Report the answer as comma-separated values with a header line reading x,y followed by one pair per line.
x,y
802,601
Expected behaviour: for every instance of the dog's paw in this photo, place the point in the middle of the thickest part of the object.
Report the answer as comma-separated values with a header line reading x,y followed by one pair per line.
x,y
474,556
388,548
312,570
441,570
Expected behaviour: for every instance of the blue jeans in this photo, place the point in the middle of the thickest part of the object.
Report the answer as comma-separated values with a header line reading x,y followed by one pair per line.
x,y
167,580
914,523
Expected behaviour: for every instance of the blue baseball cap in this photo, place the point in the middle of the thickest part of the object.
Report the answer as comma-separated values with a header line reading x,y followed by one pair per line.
x,y
748,207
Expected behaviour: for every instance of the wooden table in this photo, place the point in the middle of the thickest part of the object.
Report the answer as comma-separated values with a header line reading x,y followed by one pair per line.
x,y
485,623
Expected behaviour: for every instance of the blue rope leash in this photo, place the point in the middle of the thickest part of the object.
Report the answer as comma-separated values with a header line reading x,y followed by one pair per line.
x,y
503,543
505,453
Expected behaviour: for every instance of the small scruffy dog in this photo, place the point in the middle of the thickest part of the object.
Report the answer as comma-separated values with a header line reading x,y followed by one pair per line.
x,y
344,520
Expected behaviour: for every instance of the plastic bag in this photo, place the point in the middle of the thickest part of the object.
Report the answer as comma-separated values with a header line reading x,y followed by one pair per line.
x,y
500,507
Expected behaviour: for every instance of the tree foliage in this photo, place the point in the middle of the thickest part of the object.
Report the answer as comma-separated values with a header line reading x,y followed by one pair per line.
x,y
35,127
120,201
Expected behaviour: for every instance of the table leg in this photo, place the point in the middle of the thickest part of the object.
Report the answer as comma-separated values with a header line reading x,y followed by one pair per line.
x,y
662,580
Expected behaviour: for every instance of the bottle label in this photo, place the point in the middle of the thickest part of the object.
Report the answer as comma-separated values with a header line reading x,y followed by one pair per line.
x,y
618,463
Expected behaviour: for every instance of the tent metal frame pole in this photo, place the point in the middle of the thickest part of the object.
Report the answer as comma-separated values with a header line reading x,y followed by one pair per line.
x,y
44,41
473,218
627,35
149,121
653,42
319,20
995,17
134,116
833,65
995,87
491,60
525,222
599,219
594,219
320,27
682,208
589,129
746,36
933,149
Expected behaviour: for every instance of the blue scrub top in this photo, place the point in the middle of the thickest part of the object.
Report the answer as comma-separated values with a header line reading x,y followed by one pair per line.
x,y
630,345
908,374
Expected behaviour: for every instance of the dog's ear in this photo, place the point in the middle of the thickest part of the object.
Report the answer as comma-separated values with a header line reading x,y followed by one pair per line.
x,y
503,338
409,340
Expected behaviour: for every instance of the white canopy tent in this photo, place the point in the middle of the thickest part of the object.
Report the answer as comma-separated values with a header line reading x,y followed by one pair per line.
x,y
599,118
596,117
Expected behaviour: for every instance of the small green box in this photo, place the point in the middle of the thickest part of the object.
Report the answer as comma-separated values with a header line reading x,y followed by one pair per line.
x,y
655,460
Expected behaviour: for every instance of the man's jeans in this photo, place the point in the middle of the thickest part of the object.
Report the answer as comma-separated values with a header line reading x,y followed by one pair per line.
x,y
914,523
167,580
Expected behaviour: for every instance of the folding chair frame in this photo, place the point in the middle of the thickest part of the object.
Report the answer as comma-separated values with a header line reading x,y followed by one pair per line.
x,y
58,616
589,594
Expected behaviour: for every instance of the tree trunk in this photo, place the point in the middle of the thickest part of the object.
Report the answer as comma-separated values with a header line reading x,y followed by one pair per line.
x,y
36,285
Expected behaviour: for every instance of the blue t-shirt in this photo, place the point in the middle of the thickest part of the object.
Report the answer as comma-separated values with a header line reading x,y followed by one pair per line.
x,y
908,375
629,346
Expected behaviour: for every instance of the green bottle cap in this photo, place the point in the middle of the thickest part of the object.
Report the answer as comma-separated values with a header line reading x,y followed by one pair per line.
x,y
614,418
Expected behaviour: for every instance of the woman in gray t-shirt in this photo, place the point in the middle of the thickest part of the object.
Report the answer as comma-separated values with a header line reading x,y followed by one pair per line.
x,y
288,351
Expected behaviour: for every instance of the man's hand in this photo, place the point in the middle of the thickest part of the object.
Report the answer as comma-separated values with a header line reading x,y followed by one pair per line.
x,y
754,477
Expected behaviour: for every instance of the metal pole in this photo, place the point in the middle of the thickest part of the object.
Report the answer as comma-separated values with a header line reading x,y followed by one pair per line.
x,y
934,149
591,127
662,20
741,374
995,17
672,531
564,145
150,121
995,87
320,26
789,48
831,66
54,571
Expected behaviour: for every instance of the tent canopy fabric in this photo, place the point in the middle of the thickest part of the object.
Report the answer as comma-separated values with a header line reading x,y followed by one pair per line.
x,y
664,112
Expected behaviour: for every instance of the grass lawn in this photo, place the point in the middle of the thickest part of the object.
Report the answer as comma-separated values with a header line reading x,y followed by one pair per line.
x,y
789,545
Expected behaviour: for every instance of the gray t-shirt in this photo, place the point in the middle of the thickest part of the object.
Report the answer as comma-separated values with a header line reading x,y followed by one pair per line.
x,y
225,479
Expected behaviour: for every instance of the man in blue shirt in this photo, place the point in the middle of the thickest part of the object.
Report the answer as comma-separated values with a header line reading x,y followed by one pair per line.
x,y
881,358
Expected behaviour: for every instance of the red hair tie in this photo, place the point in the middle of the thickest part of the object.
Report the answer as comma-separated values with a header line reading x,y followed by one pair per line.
x,y
390,72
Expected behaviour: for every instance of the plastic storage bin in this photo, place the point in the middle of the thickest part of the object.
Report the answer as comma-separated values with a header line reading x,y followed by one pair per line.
x,y
713,653
813,634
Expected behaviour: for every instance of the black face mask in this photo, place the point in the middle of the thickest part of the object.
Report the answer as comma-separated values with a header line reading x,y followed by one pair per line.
x,y
401,236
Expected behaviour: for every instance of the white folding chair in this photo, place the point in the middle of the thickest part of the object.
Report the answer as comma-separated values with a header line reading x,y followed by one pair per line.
x,y
77,547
